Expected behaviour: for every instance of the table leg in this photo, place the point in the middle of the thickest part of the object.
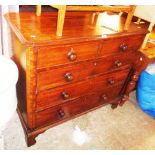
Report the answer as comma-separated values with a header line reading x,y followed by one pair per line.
x,y
60,20
38,10
147,36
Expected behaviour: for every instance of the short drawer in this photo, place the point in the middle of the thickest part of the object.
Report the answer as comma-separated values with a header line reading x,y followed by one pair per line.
x,y
72,108
121,44
80,71
54,56
62,94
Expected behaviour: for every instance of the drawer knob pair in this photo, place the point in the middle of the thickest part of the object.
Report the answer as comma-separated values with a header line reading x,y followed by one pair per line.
x,y
72,55
104,97
123,47
118,63
61,113
68,77
111,81
65,95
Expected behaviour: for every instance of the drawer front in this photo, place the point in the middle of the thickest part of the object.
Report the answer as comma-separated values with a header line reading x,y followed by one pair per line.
x,y
56,114
51,56
77,72
72,108
59,95
102,97
122,44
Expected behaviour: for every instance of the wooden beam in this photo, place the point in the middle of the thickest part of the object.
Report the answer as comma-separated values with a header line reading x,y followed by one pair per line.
x,y
129,17
38,10
98,8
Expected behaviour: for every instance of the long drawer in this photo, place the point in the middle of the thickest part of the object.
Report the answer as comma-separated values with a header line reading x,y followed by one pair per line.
x,y
72,108
67,54
65,93
80,71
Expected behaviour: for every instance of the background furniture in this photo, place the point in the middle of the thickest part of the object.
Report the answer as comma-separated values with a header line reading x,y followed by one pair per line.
x,y
63,8
146,12
63,78
150,54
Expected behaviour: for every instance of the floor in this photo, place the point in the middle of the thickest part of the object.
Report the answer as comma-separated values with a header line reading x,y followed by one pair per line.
x,y
124,128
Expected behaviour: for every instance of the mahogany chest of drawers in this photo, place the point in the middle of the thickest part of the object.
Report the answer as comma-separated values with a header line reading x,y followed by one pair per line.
x,y
61,78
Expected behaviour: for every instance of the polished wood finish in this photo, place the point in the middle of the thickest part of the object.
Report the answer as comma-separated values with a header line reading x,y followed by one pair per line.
x,y
121,44
61,78
56,96
149,52
89,68
77,106
66,54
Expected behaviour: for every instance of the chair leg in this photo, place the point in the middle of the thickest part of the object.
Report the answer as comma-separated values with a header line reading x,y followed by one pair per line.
x,y
129,18
147,36
94,18
120,14
38,10
60,20
138,21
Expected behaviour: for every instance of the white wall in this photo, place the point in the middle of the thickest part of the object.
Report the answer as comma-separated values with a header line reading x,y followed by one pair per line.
x,y
0,33
5,46
146,12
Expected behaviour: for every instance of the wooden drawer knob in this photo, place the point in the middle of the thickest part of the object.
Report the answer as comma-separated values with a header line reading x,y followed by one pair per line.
x,y
118,63
123,47
104,97
68,77
111,81
61,113
72,55
65,95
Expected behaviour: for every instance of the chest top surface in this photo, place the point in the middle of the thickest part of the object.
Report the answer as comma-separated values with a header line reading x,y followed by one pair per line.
x,y
78,26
